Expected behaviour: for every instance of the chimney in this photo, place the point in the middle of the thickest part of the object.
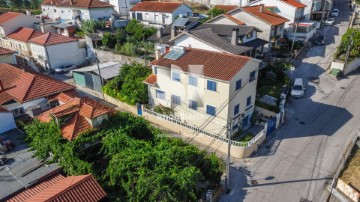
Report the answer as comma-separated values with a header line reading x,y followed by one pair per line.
x,y
173,31
159,32
51,2
1,86
234,37
42,28
261,8
71,2
28,12
157,53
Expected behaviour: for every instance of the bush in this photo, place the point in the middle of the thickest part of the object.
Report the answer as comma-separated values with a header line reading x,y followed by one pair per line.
x,y
215,12
163,110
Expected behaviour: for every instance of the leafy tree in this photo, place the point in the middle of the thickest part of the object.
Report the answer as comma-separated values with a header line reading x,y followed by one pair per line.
x,y
16,4
26,4
216,11
90,26
345,43
120,36
108,40
35,4
3,4
133,26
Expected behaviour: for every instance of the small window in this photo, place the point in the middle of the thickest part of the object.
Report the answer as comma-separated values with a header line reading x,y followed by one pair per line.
x,y
248,101
146,15
193,104
193,80
211,85
236,109
210,110
62,11
248,36
54,10
235,126
238,84
43,9
160,94
252,76
175,76
175,99
156,70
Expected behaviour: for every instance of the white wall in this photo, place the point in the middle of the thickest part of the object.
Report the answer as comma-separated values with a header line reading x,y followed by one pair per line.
x,y
186,41
19,21
254,36
16,45
7,122
67,13
96,13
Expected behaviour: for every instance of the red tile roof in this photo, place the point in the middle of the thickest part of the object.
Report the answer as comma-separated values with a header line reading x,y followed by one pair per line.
x,y
63,97
8,16
294,3
235,20
215,65
80,109
227,8
26,85
4,51
155,6
24,34
266,15
51,39
151,79
83,188
32,191
78,3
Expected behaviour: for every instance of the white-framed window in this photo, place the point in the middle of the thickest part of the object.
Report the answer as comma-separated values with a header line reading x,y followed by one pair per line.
x,y
18,111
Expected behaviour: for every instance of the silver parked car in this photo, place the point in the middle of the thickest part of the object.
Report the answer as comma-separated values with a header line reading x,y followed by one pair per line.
x,y
298,88
64,68
329,21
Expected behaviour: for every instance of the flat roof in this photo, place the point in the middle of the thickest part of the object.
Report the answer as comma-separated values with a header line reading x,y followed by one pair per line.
x,y
108,69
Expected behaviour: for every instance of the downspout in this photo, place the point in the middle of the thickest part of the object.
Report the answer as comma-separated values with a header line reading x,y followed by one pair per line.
x,y
48,58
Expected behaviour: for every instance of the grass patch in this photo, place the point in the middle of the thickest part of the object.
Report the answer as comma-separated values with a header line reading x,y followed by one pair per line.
x,y
351,173
270,87
247,137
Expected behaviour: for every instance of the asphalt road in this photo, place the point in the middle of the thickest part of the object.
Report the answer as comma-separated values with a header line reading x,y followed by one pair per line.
x,y
303,155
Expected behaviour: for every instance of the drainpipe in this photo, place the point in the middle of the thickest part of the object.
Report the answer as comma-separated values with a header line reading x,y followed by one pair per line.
x,y
47,58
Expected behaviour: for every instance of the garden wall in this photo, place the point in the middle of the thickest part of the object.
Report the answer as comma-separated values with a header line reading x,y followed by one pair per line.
x,y
352,66
266,113
348,190
106,56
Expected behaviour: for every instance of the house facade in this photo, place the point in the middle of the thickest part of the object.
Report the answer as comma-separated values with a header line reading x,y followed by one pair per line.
x,y
123,7
71,10
205,86
159,13
11,21
7,120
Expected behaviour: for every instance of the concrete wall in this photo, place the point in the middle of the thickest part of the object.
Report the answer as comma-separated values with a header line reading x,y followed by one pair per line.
x,y
351,66
348,191
7,122
67,13
265,112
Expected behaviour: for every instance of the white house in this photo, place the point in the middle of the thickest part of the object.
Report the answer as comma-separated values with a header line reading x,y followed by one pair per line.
x,y
72,9
7,121
123,6
271,24
11,21
23,91
223,2
159,13
7,56
54,50
205,86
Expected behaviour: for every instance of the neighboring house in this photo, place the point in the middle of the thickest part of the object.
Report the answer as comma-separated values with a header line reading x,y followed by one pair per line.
x,y
56,187
205,86
224,2
314,9
54,50
123,6
11,21
7,56
74,9
25,92
159,13
76,115
271,24
7,121
234,39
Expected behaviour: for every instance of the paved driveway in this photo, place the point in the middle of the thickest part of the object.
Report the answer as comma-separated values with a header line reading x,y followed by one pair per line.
x,y
302,156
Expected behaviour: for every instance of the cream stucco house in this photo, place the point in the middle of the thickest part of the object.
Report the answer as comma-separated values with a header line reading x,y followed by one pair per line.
x,y
205,87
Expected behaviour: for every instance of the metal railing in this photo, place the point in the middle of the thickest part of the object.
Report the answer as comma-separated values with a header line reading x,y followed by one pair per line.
x,y
194,128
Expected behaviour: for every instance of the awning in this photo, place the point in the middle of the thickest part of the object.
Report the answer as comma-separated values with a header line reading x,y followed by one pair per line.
x,y
255,43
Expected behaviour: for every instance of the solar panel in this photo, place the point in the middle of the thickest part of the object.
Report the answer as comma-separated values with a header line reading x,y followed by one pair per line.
x,y
180,22
174,54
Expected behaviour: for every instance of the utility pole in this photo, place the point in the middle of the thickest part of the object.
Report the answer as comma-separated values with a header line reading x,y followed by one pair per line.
x,y
101,80
293,42
227,180
349,47
323,12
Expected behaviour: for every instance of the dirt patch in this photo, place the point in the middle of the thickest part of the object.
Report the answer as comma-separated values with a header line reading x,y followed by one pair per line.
x,y
351,173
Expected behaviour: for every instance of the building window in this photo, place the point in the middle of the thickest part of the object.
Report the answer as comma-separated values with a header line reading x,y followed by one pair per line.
x,y
62,11
193,80
210,110
43,9
248,36
236,109
238,84
193,104
211,85
54,10
252,76
175,99
18,111
155,70
146,15
235,126
248,101
175,76
160,94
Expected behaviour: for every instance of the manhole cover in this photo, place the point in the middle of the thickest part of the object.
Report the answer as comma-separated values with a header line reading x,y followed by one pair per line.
x,y
254,182
302,122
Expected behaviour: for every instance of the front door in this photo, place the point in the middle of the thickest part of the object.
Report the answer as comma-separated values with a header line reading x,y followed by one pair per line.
x,y
139,16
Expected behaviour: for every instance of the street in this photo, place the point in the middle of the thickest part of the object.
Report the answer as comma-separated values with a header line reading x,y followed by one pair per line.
x,y
303,155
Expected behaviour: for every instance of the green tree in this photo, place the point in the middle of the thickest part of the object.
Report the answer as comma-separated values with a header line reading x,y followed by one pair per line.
x,y
215,12
108,40
120,36
16,4
345,43
3,4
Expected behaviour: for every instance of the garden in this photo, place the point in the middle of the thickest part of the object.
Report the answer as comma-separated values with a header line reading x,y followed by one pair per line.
x,y
346,42
132,160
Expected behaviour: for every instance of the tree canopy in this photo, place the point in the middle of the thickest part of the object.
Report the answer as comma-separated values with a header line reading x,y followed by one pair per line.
x,y
345,43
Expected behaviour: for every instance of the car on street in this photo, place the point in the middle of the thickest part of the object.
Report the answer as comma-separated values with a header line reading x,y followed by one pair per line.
x,y
64,68
329,21
298,88
320,40
335,12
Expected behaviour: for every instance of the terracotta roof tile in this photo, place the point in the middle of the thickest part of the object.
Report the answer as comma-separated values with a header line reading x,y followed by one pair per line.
x,y
266,15
294,3
151,79
2,109
155,6
32,191
8,16
82,188
235,20
24,34
51,39
4,51
64,96
78,3
28,85
226,8
215,65
5,97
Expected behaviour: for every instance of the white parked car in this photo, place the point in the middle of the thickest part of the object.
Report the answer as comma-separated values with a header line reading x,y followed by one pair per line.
x,y
298,88
64,68
335,12
329,21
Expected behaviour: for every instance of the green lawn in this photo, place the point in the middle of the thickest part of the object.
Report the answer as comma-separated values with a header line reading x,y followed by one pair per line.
x,y
270,87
